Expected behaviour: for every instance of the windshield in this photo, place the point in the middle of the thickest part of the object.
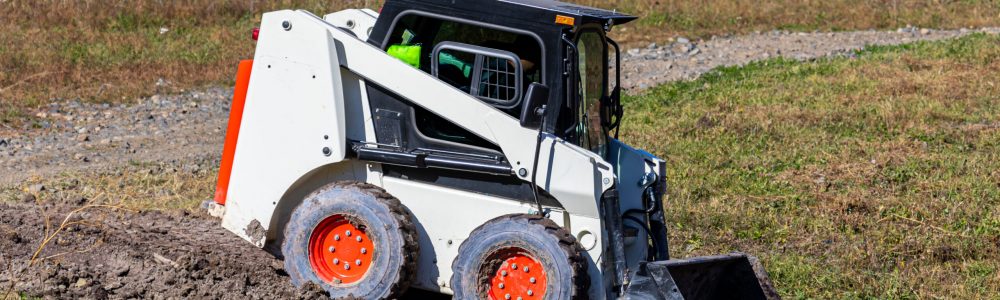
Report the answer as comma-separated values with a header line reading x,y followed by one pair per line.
x,y
592,88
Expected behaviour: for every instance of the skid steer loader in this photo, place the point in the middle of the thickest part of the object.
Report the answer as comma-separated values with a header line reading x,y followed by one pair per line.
x,y
461,147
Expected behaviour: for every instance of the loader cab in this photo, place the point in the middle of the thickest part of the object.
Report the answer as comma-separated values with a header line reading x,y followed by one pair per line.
x,y
494,50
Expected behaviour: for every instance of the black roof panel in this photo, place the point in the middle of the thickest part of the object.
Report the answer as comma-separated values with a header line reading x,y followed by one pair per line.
x,y
575,10
534,10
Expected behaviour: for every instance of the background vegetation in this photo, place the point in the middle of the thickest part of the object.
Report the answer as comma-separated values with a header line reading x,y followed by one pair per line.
x,y
875,178
116,51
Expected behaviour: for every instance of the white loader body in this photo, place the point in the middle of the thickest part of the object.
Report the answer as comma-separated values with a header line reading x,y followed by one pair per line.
x,y
306,97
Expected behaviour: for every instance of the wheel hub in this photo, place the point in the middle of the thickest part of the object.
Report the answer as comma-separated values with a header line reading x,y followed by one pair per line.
x,y
519,277
339,251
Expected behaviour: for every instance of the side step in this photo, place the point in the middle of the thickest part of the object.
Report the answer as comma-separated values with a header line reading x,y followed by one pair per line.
x,y
729,276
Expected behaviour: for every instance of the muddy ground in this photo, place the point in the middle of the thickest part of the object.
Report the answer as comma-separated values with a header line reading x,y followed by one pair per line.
x,y
103,252
108,252
99,252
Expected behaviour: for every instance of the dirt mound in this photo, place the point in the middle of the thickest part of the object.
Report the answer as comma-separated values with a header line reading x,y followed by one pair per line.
x,y
108,253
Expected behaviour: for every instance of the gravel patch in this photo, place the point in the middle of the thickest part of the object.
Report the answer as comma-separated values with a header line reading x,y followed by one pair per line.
x,y
683,59
75,136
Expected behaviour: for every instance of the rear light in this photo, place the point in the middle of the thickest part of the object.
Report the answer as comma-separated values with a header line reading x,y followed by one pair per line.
x,y
256,33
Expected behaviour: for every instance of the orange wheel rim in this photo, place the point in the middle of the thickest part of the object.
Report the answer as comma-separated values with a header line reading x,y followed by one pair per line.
x,y
520,276
339,251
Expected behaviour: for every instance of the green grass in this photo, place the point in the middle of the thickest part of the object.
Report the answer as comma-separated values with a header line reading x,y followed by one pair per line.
x,y
876,177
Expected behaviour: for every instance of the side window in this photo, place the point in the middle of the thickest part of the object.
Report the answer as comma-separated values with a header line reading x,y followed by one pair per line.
x,y
422,34
492,64
494,76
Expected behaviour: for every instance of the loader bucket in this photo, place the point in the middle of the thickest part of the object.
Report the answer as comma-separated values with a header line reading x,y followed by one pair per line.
x,y
730,276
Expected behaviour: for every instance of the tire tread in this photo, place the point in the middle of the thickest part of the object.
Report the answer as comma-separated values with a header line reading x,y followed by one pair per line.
x,y
567,242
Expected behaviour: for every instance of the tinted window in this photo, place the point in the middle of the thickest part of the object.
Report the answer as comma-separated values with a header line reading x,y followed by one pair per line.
x,y
592,89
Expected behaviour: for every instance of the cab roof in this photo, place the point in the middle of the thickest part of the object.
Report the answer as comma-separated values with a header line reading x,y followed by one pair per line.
x,y
574,10
521,9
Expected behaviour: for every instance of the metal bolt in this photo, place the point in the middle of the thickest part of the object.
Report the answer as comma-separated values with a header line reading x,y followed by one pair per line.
x,y
522,172
500,285
357,262
503,273
286,25
364,250
532,280
336,237
514,266
336,261
359,239
332,249
337,280
518,298
347,266
530,293
327,151
525,269
506,296
350,24
348,233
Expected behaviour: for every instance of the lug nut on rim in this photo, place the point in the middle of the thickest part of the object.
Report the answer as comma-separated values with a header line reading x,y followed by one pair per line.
x,y
357,262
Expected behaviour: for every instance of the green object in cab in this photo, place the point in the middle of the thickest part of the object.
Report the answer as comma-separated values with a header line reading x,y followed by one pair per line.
x,y
410,54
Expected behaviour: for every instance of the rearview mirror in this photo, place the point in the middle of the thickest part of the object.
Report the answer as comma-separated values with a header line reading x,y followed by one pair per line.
x,y
533,110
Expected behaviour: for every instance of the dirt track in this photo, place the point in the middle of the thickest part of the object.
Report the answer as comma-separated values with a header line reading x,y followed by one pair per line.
x,y
110,253
106,252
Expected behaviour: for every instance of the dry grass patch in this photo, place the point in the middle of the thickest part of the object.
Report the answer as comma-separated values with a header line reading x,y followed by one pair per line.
x,y
874,177
116,51
137,186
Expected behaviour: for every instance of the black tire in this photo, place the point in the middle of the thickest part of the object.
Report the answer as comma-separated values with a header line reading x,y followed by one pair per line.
x,y
550,245
385,220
